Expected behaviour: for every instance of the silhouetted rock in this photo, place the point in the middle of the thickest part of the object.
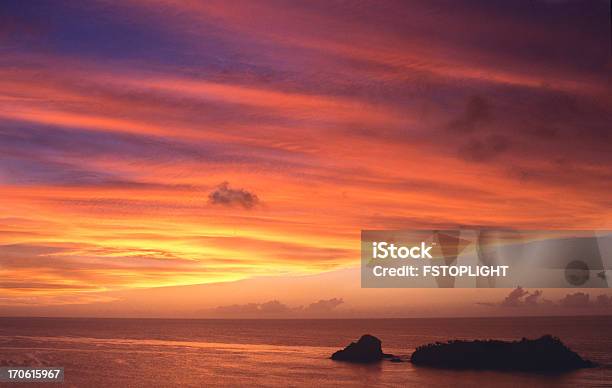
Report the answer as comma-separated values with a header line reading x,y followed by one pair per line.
x,y
367,349
547,353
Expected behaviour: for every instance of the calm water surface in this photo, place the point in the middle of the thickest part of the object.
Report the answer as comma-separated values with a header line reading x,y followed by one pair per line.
x,y
158,352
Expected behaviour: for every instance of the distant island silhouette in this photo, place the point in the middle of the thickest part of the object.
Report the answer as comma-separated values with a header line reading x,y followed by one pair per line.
x,y
544,354
367,349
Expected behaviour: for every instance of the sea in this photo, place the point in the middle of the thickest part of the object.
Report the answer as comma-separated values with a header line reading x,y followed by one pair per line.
x,y
282,353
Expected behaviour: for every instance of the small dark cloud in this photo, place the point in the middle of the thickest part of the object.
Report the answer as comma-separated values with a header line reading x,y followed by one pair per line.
x,y
584,300
514,299
227,196
520,297
578,299
532,299
324,306
274,308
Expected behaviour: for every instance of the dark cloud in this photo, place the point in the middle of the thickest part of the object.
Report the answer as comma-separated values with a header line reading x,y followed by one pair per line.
x,y
323,306
532,299
274,308
520,297
578,299
227,196
514,299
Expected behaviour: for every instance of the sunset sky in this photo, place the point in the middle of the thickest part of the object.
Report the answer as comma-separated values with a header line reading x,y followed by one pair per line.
x,y
186,157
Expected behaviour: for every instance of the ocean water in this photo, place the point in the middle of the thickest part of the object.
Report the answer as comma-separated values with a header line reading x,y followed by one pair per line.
x,y
170,353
